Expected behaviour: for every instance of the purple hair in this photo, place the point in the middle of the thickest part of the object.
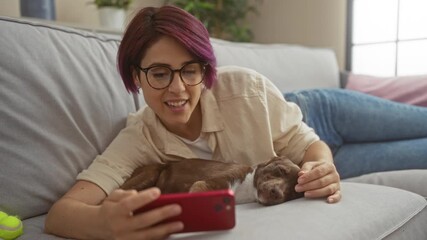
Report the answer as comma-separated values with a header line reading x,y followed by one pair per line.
x,y
148,25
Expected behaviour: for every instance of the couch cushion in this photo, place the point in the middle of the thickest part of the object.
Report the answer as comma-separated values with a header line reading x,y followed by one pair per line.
x,y
365,212
290,67
62,103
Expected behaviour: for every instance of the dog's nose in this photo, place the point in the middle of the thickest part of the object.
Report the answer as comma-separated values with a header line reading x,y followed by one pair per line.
x,y
271,196
275,193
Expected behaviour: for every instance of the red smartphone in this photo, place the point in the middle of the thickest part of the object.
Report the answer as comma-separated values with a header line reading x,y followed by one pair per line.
x,y
202,211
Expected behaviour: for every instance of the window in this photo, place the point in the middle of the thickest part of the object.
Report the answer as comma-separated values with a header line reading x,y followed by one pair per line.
x,y
387,37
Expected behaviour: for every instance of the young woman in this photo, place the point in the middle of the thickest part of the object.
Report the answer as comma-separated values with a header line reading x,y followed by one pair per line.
x,y
194,110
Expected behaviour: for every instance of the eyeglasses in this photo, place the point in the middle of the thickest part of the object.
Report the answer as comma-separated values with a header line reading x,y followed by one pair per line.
x,y
161,76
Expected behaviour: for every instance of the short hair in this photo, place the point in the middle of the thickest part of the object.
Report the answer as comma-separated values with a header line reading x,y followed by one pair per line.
x,y
151,23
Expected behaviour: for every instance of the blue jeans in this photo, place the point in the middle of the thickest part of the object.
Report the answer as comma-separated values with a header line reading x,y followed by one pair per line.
x,y
365,133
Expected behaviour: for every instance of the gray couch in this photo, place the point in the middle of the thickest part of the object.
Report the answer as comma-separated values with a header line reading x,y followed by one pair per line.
x,y
62,102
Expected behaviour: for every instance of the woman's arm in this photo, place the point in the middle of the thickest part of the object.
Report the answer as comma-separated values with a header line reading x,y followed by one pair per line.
x,y
318,176
85,212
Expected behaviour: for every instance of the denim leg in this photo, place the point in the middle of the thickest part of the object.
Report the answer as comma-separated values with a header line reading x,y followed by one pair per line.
x,y
352,160
320,113
354,124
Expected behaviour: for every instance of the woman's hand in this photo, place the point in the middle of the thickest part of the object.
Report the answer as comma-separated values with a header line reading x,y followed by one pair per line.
x,y
117,211
85,212
318,176
319,179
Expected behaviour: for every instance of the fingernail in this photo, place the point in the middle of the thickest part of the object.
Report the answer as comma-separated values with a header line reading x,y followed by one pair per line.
x,y
178,227
175,209
155,193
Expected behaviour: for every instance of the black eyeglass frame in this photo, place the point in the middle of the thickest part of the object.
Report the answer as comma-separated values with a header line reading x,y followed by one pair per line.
x,y
173,71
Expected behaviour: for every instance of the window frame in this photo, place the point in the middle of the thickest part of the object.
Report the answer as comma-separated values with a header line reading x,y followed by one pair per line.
x,y
349,38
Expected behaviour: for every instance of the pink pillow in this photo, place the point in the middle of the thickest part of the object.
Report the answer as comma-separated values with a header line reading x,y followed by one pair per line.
x,y
406,89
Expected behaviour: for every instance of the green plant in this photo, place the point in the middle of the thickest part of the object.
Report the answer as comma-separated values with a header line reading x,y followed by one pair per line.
x,y
224,19
113,3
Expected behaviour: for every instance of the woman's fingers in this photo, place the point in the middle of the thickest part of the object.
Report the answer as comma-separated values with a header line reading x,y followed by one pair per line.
x,y
336,197
319,179
316,184
148,225
161,231
311,171
128,201
325,191
155,216
118,210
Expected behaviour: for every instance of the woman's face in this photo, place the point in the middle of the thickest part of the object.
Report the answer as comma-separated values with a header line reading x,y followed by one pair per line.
x,y
175,105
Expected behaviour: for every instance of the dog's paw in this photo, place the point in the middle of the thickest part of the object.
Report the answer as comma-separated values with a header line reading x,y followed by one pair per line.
x,y
199,186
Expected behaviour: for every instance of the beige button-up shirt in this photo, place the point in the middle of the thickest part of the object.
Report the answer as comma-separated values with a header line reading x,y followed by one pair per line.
x,y
244,118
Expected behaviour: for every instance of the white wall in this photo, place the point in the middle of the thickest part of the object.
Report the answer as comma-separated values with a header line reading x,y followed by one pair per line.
x,y
316,23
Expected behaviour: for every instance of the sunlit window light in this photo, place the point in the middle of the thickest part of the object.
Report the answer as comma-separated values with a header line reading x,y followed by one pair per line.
x,y
388,37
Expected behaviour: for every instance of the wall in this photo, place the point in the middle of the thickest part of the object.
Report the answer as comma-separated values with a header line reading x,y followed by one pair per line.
x,y
316,23
73,11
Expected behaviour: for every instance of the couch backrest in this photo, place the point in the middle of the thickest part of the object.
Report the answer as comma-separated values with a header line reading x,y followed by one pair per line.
x,y
289,67
62,102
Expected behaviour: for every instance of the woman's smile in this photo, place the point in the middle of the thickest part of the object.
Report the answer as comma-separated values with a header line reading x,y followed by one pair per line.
x,y
176,105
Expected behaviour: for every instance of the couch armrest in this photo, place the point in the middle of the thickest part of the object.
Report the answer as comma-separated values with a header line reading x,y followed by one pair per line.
x,y
411,180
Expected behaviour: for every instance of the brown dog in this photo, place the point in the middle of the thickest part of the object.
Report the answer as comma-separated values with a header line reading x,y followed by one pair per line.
x,y
269,183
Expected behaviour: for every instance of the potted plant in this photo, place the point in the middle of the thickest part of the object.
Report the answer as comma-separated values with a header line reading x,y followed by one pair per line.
x,y
112,13
225,19
122,4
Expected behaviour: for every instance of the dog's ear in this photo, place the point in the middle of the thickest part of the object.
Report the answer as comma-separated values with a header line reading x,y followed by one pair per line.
x,y
143,177
285,170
